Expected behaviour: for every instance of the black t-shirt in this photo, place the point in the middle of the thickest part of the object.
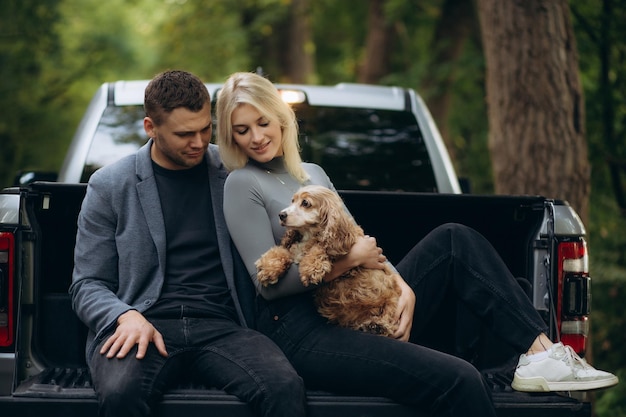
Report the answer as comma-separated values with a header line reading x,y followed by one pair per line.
x,y
195,284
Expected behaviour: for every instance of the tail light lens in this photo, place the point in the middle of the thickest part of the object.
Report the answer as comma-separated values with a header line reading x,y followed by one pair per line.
x,y
7,247
574,294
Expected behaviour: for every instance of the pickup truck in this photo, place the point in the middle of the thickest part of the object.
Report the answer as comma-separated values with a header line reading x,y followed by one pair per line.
x,y
385,155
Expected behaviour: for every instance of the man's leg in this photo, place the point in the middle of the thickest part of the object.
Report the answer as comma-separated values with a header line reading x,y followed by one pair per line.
x,y
247,364
129,386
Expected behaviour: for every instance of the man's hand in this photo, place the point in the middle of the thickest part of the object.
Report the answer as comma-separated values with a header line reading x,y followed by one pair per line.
x,y
406,309
133,329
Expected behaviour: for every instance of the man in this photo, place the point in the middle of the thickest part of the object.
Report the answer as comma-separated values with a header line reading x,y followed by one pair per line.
x,y
154,276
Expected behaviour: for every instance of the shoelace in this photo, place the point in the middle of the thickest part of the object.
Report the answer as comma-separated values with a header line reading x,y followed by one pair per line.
x,y
572,359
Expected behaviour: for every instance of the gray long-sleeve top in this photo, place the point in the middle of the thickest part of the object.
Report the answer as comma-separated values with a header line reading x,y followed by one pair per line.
x,y
253,197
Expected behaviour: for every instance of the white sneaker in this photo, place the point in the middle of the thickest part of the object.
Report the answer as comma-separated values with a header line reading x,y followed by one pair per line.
x,y
560,370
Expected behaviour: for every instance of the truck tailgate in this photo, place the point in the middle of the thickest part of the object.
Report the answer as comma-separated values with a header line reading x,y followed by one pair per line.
x,y
68,392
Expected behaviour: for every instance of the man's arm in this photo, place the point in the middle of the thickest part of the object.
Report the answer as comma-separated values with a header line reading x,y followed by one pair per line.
x,y
95,276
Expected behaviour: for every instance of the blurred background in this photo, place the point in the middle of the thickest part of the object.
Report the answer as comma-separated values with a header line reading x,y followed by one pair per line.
x,y
55,53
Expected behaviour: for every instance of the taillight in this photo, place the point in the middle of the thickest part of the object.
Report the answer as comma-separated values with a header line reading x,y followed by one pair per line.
x,y
7,247
574,295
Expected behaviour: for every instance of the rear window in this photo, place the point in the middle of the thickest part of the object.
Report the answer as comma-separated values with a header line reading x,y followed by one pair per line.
x,y
119,133
366,149
360,149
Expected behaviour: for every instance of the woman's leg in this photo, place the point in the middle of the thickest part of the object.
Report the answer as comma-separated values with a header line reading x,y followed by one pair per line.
x,y
350,362
456,273
462,284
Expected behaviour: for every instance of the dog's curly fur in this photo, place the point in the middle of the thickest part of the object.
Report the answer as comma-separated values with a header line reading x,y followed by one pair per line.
x,y
318,231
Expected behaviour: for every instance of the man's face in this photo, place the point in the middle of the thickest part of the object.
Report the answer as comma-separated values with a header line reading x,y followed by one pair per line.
x,y
181,141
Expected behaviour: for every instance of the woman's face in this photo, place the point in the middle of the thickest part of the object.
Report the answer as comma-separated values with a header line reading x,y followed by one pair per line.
x,y
258,137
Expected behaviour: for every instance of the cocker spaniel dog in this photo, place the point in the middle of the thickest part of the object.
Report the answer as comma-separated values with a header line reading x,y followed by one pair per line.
x,y
319,230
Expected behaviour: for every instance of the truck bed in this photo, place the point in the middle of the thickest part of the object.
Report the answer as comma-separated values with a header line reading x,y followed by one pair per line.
x,y
57,382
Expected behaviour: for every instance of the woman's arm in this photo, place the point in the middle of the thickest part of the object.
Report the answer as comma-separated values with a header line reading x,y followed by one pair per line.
x,y
251,207
365,252
406,309
246,209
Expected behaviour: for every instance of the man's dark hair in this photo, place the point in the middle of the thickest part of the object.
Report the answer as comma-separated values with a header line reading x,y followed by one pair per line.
x,y
170,90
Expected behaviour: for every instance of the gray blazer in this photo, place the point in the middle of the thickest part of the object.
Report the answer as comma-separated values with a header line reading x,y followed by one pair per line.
x,y
119,258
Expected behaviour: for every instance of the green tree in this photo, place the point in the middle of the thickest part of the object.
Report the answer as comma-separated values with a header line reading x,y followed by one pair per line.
x,y
535,101
339,31
54,56
378,45
600,36
26,43
206,38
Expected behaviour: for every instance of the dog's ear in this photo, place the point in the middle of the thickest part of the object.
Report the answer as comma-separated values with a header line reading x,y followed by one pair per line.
x,y
337,227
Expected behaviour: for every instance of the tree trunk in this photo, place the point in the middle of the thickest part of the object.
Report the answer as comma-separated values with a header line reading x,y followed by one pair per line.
x,y
535,100
378,45
299,59
453,29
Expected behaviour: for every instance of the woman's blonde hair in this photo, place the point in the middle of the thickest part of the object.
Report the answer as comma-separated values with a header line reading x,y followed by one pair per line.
x,y
257,91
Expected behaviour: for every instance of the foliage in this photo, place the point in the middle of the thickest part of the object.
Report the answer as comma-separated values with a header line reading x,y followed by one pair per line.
x,y
610,403
468,120
26,42
609,320
216,47
602,50
340,28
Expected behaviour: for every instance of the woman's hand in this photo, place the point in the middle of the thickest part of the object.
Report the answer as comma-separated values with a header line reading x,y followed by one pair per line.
x,y
368,254
365,252
406,309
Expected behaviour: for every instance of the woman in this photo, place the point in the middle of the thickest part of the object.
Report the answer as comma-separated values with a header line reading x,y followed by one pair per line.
x,y
453,266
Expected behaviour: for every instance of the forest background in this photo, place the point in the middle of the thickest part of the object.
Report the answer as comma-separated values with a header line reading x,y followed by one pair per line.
x,y
55,53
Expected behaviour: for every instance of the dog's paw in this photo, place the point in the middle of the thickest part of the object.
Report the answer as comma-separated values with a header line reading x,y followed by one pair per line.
x,y
313,270
272,265
265,278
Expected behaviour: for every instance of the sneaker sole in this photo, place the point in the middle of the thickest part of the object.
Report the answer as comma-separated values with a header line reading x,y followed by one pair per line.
x,y
539,384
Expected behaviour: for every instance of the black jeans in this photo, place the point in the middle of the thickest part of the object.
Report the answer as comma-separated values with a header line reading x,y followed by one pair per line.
x,y
463,291
215,352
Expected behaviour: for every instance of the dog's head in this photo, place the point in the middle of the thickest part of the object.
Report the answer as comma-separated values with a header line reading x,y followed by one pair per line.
x,y
316,210
311,206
